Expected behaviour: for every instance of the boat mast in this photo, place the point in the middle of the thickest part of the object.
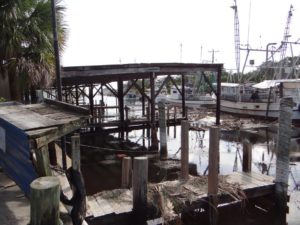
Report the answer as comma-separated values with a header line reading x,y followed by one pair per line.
x,y
236,38
283,46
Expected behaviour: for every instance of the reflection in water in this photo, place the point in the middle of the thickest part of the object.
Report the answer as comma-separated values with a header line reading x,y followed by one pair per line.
x,y
263,150
263,156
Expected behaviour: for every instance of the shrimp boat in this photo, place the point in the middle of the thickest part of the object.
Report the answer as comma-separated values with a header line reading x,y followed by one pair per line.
x,y
261,99
192,100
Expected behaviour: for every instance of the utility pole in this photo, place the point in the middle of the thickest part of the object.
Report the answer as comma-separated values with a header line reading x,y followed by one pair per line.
x,y
213,55
56,51
58,78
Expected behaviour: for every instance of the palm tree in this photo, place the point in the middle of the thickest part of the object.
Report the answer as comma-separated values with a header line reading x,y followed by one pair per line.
x,y
26,43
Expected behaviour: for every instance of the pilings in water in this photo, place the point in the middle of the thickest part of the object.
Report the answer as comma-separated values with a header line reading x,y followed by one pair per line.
x,y
139,188
282,162
162,131
75,141
126,172
185,125
247,156
213,171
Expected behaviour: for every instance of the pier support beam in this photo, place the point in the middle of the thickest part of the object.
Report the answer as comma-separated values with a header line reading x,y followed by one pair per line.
x,y
91,99
154,141
44,201
76,164
162,131
184,114
282,162
213,171
143,97
218,105
185,125
247,156
42,161
139,188
126,172
121,106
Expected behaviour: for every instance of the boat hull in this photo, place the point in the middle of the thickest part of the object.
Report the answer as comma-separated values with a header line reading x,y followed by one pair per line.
x,y
192,103
255,109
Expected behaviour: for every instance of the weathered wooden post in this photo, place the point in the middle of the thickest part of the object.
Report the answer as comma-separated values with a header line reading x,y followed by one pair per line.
x,y
44,201
75,141
175,112
126,172
52,153
247,156
148,113
213,170
43,162
168,119
126,112
282,161
139,188
162,131
185,125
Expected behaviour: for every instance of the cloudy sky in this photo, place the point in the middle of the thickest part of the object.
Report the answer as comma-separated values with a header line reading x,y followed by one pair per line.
x,y
129,31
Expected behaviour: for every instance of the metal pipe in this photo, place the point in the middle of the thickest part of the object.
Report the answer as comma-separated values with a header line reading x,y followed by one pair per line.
x,y
267,50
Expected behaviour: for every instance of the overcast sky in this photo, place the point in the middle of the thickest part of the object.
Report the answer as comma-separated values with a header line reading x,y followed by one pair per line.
x,y
129,31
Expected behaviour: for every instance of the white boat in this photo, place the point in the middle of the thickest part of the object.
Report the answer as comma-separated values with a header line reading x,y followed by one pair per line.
x,y
131,98
261,99
192,100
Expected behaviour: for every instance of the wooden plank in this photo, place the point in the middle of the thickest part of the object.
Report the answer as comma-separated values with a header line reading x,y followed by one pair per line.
x,y
28,120
261,177
67,106
40,116
105,205
53,134
248,181
241,180
94,207
251,180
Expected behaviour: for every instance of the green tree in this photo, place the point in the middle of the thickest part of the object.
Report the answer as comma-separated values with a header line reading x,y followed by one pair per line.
x,y
26,43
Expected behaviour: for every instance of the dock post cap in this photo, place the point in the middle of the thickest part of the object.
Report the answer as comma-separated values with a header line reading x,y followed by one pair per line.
x,y
46,182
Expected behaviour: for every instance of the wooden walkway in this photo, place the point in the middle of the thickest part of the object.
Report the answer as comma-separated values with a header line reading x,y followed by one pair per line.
x,y
194,191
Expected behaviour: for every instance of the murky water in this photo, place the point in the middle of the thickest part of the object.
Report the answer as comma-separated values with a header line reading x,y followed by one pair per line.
x,y
263,153
263,156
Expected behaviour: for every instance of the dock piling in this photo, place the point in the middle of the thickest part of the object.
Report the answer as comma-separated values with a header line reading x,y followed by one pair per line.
x,y
76,152
43,162
213,171
44,201
282,162
185,149
139,188
126,172
162,131
247,156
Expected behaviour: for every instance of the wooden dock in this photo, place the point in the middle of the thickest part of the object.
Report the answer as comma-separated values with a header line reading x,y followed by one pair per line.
x,y
178,196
